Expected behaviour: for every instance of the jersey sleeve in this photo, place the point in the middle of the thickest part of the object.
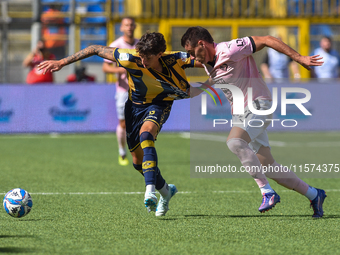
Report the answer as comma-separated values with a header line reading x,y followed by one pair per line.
x,y
124,58
185,60
241,48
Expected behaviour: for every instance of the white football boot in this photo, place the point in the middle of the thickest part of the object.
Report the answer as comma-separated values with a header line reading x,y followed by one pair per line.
x,y
163,205
150,201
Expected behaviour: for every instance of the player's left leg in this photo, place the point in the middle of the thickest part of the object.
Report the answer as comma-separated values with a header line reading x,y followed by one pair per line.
x,y
250,127
121,98
237,142
153,178
121,139
288,179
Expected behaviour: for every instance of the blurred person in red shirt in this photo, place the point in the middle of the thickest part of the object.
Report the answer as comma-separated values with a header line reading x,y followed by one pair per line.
x,y
80,76
33,59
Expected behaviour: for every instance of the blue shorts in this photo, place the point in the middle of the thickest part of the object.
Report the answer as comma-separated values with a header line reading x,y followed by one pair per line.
x,y
136,115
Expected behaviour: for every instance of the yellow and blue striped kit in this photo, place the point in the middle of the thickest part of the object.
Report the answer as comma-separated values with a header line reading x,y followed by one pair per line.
x,y
150,86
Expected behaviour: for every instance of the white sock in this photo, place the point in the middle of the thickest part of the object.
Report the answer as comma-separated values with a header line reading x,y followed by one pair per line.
x,y
122,152
150,188
267,189
164,191
311,193
121,138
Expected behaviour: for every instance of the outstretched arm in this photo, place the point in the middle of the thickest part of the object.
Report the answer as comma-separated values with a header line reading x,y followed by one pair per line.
x,y
278,45
195,91
56,65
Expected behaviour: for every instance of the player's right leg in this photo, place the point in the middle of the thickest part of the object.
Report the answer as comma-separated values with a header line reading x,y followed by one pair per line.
x,y
288,179
156,116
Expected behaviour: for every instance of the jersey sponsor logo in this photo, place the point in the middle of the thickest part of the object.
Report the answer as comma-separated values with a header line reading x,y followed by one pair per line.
x,y
68,111
172,96
170,60
151,117
5,115
123,56
183,84
139,62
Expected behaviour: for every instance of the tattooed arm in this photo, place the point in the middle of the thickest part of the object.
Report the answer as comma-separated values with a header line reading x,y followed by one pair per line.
x,y
56,65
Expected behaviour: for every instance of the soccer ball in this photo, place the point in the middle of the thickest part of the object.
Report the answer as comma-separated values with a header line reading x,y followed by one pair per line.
x,y
17,202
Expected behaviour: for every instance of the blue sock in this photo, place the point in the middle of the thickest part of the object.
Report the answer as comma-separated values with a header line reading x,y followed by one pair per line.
x,y
159,181
150,169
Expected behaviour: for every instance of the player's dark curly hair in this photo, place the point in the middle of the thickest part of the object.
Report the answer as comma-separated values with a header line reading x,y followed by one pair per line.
x,y
194,34
151,44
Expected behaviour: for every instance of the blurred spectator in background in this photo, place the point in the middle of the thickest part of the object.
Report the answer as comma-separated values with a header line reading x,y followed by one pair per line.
x,y
80,76
275,66
127,41
33,59
330,68
53,31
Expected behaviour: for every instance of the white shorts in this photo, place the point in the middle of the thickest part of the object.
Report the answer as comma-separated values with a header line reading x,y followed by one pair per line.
x,y
254,124
121,98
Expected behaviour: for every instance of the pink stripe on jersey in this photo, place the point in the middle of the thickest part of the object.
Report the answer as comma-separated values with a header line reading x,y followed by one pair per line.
x,y
122,84
235,65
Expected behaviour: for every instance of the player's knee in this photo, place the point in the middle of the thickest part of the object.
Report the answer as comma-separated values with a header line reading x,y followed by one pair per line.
x,y
122,124
236,145
146,140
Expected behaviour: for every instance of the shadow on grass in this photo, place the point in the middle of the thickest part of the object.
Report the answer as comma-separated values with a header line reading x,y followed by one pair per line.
x,y
16,250
17,236
36,219
198,216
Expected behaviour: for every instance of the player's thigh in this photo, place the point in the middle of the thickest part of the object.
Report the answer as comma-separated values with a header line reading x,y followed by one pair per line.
x,y
122,124
155,116
237,132
249,126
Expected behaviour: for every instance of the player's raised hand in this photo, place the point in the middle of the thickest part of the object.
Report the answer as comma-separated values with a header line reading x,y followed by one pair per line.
x,y
308,61
50,66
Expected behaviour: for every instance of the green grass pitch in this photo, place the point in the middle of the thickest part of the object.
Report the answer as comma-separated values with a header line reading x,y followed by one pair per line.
x,y
84,203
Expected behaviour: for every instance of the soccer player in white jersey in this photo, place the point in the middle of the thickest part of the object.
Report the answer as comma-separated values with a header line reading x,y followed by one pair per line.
x,y
231,63
126,41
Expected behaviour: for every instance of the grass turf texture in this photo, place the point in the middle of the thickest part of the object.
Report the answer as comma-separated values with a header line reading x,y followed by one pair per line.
x,y
202,221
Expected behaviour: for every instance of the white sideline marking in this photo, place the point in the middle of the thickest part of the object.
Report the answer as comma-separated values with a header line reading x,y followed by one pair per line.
x,y
139,192
53,135
221,138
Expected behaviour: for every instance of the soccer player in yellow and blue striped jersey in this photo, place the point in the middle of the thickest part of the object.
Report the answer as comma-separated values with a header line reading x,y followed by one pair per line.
x,y
156,78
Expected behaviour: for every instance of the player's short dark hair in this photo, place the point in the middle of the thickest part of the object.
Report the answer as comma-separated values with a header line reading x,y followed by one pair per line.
x,y
130,18
194,34
151,44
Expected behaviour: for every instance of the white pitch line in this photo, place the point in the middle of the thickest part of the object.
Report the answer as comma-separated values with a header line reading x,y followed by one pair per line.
x,y
55,135
221,138
139,192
